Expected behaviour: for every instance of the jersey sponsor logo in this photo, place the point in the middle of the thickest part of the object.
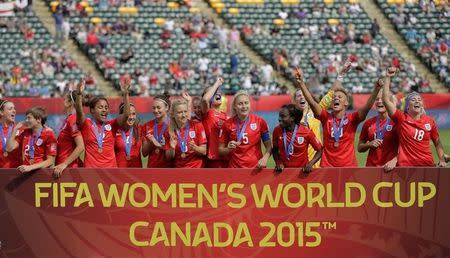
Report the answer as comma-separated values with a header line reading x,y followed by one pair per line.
x,y
428,127
389,128
345,121
39,142
253,126
300,139
108,127
192,134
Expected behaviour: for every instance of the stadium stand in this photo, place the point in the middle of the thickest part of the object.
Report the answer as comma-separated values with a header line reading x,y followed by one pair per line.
x,y
425,26
32,64
163,47
319,36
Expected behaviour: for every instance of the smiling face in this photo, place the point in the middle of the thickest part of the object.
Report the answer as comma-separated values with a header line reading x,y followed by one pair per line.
x,y
379,106
159,109
340,101
100,110
284,118
217,99
197,108
8,112
300,101
415,105
242,105
132,117
181,114
31,121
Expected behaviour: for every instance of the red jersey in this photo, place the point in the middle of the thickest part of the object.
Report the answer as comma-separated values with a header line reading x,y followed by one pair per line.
x,y
66,140
156,158
135,151
191,159
248,153
344,154
212,122
14,158
44,145
414,139
303,137
93,158
377,157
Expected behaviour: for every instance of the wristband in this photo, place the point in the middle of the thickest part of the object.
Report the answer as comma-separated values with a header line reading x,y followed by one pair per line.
x,y
340,77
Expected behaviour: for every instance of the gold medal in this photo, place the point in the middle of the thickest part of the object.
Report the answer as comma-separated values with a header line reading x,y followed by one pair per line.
x,y
157,151
336,144
183,155
100,150
5,154
128,157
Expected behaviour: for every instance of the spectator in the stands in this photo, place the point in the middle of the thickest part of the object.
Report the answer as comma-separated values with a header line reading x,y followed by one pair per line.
x,y
59,19
234,63
234,37
127,55
374,28
92,39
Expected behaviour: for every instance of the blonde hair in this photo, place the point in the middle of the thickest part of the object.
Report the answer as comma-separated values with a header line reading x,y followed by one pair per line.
x,y
173,122
233,103
408,100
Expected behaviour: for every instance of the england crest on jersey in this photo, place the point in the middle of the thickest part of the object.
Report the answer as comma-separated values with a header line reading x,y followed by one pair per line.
x,y
428,127
39,142
192,134
300,139
108,127
389,128
253,126
345,121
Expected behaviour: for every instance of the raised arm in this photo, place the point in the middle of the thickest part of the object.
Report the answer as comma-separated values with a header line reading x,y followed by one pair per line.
x,y
12,144
315,107
185,95
390,106
81,117
362,112
326,100
206,99
122,118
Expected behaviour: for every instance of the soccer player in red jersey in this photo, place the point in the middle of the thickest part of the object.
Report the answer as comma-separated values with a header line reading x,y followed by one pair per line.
x,y
339,127
379,137
98,133
242,135
70,141
415,129
37,141
197,115
128,142
213,120
7,118
186,139
291,140
153,133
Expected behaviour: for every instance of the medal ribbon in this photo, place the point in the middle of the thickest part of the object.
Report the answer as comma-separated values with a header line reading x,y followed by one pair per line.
x,y
337,131
99,135
127,143
241,132
159,136
32,141
289,150
183,142
380,133
5,139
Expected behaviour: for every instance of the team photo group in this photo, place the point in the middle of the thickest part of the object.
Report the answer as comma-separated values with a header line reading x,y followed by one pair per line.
x,y
193,132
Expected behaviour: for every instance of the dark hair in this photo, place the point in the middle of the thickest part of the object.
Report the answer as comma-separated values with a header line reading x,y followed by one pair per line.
x,y
94,100
294,112
165,97
2,103
38,113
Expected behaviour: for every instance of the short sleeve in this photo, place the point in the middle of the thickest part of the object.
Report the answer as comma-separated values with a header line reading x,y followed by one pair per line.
x,y
313,141
166,140
323,116
225,133
50,147
434,131
114,125
364,136
74,130
265,134
355,119
200,131
398,116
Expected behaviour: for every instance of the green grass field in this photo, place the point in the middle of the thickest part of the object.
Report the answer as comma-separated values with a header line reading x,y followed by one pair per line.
x,y
361,157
